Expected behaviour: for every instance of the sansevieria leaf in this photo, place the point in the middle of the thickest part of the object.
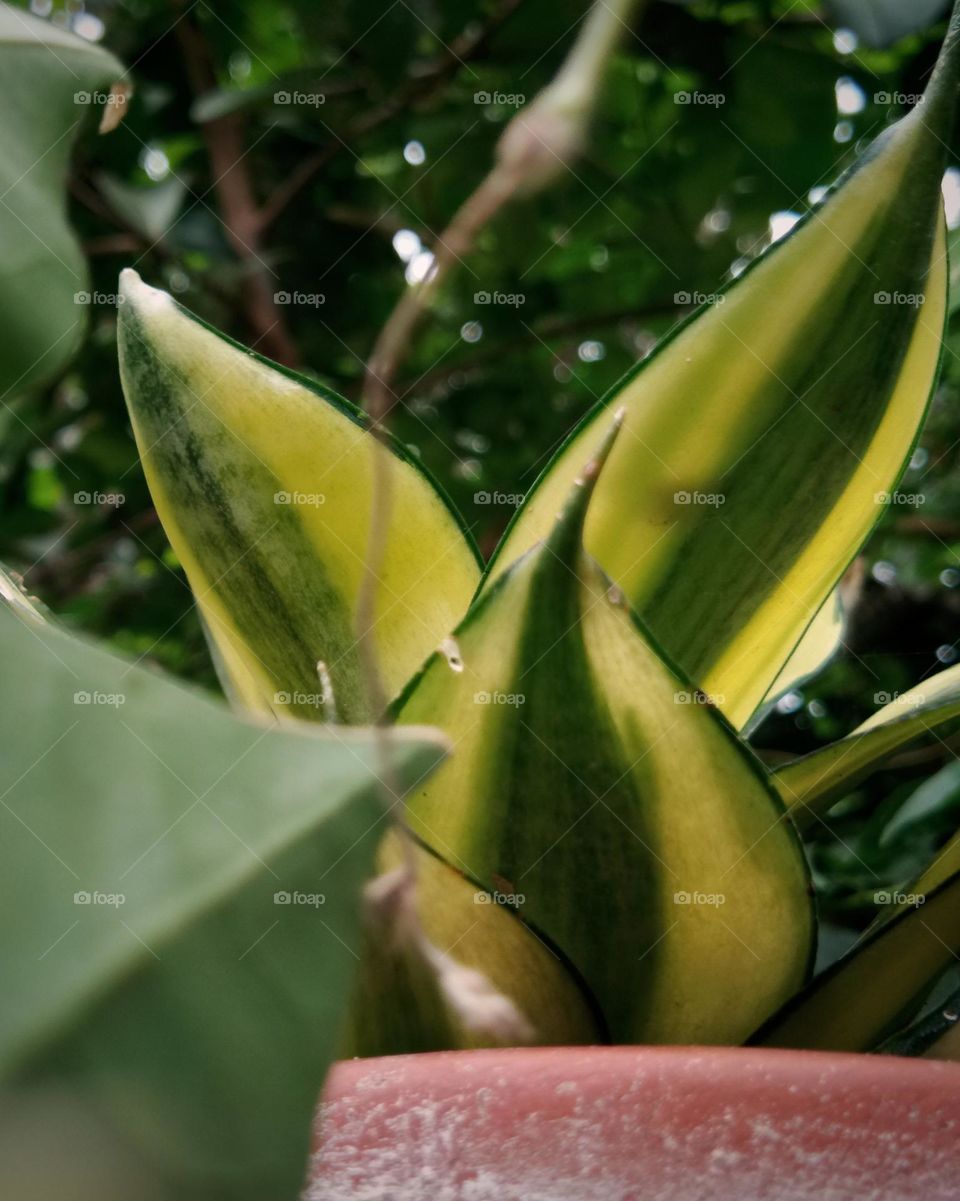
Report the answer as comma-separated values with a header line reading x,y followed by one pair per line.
x,y
886,977
761,439
513,987
935,1035
186,892
594,785
872,990
809,786
263,482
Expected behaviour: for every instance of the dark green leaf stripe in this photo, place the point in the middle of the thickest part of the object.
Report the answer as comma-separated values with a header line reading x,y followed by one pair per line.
x,y
760,440
263,483
270,589
593,784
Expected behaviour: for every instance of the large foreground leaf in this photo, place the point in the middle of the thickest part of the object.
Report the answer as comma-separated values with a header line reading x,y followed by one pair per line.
x,y
181,896
263,482
809,786
593,784
761,439
50,80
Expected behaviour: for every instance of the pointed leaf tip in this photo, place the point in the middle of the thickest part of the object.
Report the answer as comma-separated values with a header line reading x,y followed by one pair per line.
x,y
263,482
566,538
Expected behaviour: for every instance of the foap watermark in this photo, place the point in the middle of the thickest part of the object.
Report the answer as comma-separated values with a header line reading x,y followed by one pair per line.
x,y
301,700
116,99
512,499
710,500
713,899
112,899
700,99
504,99
694,696
698,298
110,299
112,700
513,899
111,499
892,897
513,699
312,899
900,99
511,299
908,701
312,499
312,300
300,99
911,500
910,300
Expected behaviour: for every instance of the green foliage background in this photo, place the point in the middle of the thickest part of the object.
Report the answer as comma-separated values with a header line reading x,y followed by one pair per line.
x,y
666,200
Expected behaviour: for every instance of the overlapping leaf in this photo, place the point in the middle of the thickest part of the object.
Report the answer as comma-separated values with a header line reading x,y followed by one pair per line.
x,y
868,994
761,439
185,889
263,482
595,787
515,988
809,786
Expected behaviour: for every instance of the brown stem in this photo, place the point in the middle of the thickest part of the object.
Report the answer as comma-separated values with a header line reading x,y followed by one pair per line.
x,y
239,212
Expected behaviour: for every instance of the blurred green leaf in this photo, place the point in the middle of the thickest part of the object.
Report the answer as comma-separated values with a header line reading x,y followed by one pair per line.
x,y
52,81
160,971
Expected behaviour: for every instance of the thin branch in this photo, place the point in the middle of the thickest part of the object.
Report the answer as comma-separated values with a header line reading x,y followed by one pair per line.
x,y
536,147
466,46
230,169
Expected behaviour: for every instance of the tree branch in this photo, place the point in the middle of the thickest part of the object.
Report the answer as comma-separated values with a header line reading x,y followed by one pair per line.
x,y
239,212
466,46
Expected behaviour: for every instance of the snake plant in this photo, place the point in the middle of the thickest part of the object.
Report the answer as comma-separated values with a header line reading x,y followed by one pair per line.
x,y
602,846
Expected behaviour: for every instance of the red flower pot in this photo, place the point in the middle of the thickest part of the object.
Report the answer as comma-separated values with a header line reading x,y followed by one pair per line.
x,y
639,1124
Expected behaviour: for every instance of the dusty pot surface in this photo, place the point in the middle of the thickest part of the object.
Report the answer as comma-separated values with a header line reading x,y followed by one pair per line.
x,y
639,1124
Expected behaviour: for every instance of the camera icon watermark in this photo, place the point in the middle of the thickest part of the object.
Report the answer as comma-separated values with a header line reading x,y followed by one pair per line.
x,y
511,499
112,700
912,500
694,696
712,899
700,99
300,99
310,299
711,500
512,899
110,299
504,99
696,299
509,299
900,99
893,897
511,699
111,499
112,899
312,499
910,300
312,900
